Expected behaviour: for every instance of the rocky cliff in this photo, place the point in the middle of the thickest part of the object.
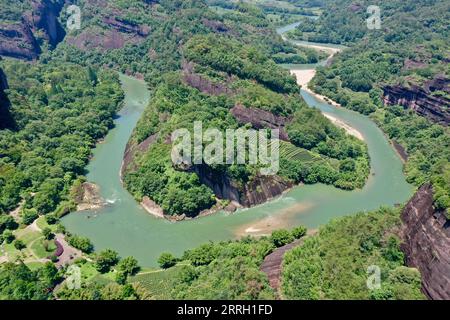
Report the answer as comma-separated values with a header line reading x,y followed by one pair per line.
x,y
261,119
5,118
111,28
19,39
427,243
422,100
257,191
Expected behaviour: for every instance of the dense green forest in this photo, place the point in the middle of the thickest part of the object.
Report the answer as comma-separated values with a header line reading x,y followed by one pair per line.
x,y
200,63
428,147
59,112
334,263
318,152
411,49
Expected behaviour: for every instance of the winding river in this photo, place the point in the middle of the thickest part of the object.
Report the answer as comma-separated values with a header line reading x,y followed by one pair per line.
x,y
124,226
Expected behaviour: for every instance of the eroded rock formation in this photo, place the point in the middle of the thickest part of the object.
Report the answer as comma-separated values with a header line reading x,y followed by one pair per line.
x,y
113,31
18,39
427,243
257,191
203,84
261,119
421,99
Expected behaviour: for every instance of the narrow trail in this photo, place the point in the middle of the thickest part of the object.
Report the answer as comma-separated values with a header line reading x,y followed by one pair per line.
x,y
272,265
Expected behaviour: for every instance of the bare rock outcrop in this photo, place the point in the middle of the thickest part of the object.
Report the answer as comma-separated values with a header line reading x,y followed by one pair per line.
x,y
203,84
261,119
421,99
113,31
257,191
18,38
88,197
427,243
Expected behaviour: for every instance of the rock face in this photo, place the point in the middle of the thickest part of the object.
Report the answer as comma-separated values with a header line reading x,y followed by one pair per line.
x,y
261,119
112,30
427,243
88,197
19,39
6,120
203,84
258,191
132,150
3,85
421,100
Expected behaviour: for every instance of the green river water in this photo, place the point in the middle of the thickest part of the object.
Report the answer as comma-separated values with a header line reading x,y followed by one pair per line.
x,y
125,227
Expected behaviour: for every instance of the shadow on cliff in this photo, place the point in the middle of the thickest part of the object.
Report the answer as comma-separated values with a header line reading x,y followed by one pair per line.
x,y
6,120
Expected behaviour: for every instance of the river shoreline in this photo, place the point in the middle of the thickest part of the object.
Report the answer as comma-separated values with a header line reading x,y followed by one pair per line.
x,y
127,228
304,78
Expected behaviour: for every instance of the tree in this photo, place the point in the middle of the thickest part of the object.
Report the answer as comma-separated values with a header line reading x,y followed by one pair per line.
x,y
82,243
129,266
121,277
51,219
299,232
105,260
18,282
19,245
167,260
47,233
8,236
7,222
281,238
29,215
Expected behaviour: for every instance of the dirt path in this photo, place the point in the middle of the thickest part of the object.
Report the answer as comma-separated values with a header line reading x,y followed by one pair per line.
x,y
34,226
16,212
273,263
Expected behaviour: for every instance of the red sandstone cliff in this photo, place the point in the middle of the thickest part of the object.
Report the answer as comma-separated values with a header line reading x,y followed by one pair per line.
x,y
19,40
427,243
421,99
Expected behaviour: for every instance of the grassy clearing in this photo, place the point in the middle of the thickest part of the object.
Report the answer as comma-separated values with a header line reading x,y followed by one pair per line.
x,y
35,265
43,248
42,224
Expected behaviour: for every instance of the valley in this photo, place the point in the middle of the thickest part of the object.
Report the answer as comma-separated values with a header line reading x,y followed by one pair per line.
x,y
87,182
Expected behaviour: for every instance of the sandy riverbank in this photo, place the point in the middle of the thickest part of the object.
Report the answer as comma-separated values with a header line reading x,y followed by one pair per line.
x,y
267,225
151,207
304,77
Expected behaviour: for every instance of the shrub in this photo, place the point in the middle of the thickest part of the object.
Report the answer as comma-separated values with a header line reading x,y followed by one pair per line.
x,y
29,215
19,245
167,260
299,232
281,238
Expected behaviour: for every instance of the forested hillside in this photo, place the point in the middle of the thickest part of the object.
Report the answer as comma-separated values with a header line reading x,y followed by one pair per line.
x,y
59,111
221,79
216,62
334,264
406,62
